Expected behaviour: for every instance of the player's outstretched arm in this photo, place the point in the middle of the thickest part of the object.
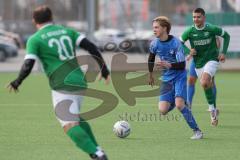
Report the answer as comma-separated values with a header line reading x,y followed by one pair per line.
x,y
24,72
93,50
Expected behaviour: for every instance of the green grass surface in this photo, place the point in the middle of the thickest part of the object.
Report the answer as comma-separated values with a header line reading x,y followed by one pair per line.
x,y
29,130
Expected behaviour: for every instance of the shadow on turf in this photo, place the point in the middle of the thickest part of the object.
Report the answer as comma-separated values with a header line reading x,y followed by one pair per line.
x,y
232,127
133,139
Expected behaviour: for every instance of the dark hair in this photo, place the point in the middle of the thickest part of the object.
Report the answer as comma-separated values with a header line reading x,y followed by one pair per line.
x,y
199,10
42,14
164,22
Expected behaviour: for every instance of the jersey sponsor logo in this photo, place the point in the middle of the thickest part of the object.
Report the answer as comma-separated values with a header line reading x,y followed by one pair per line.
x,y
202,42
171,52
195,35
206,34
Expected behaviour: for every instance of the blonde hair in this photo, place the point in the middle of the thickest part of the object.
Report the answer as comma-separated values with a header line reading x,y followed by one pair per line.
x,y
164,22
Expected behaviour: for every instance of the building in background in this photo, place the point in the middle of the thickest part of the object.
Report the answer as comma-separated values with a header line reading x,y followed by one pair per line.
x,y
15,15
131,16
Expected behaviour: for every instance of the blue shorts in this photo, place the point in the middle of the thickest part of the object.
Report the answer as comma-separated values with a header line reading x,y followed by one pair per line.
x,y
172,89
192,71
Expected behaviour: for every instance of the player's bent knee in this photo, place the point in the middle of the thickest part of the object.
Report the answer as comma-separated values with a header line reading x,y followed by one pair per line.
x,y
205,84
179,102
179,107
69,125
206,81
163,107
163,112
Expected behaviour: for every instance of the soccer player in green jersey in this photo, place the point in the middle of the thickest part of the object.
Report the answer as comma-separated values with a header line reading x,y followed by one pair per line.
x,y
192,79
202,38
54,46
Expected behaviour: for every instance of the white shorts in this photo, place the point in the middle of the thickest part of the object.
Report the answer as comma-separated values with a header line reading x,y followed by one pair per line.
x,y
210,67
66,106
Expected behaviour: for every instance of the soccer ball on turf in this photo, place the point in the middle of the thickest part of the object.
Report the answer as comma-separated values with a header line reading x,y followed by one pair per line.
x,y
121,129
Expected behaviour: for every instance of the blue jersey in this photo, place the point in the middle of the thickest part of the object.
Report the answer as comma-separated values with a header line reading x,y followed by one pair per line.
x,y
171,51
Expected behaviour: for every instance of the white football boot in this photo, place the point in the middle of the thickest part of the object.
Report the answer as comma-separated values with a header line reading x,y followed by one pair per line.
x,y
197,135
214,117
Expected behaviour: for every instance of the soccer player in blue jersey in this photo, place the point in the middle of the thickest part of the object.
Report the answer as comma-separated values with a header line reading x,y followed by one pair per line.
x,y
173,90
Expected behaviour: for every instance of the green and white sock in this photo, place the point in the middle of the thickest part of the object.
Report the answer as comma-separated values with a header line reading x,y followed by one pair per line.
x,y
211,99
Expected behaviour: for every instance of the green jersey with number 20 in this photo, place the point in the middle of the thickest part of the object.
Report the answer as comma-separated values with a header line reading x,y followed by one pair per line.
x,y
54,46
204,42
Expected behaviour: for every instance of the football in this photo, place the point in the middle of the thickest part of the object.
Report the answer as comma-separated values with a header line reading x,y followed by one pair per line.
x,y
121,129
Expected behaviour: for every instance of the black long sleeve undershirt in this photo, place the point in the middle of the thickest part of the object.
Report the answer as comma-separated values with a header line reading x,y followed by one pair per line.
x,y
24,72
151,60
93,50
178,66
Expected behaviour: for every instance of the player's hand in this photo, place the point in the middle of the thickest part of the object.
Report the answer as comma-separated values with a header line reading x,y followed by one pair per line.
x,y
193,52
221,57
13,86
189,57
107,79
151,79
163,64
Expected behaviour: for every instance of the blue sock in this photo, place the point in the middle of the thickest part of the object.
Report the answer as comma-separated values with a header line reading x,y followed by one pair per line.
x,y
214,92
190,93
187,114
